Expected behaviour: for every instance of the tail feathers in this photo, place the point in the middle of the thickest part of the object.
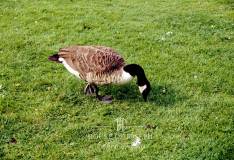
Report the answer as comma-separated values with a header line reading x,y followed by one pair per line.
x,y
55,58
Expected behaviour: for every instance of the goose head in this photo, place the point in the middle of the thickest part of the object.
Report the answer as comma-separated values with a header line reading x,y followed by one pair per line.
x,y
142,81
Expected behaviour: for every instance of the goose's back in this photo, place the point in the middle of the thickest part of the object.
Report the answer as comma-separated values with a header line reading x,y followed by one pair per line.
x,y
95,63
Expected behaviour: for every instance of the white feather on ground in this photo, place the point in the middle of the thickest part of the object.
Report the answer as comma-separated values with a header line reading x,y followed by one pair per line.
x,y
136,142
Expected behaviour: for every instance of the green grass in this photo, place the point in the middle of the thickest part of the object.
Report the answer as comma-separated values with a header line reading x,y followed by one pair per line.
x,y
186,48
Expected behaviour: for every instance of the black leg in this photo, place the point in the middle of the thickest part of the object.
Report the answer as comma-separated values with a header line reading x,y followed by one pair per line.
x,y
92,89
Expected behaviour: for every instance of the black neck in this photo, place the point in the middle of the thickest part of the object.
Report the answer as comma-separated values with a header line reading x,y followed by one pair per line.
x,y
136,70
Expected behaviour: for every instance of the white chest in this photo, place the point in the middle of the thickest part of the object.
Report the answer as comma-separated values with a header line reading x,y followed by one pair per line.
x,y
117,77
70,69
125,78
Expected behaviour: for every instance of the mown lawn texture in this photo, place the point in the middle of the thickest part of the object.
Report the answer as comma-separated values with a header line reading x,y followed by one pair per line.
x,y
186,48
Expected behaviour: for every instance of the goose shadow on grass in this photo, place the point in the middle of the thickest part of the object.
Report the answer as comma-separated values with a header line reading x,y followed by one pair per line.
x,y
163,95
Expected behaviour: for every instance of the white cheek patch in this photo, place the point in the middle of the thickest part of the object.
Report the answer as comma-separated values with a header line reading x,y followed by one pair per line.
x,y
71,70
142,88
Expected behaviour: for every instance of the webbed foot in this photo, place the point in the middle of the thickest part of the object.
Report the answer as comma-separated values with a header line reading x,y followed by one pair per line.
x,y
105,99
92,89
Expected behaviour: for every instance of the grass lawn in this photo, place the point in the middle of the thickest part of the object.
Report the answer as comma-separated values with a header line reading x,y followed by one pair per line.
x,y
185,46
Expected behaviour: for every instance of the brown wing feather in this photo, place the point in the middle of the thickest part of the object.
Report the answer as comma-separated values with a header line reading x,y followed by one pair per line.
x,y
106,59
96,59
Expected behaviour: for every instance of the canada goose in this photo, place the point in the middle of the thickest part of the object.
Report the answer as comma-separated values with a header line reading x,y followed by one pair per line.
x,y
99,65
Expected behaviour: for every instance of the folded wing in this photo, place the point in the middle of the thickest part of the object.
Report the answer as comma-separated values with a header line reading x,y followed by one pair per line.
x,y
94,59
